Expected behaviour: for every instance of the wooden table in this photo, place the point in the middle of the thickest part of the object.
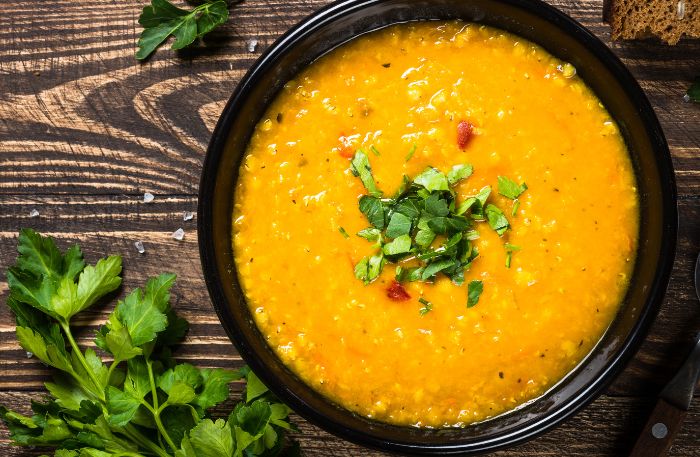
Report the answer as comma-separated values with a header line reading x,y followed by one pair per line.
x,y
85,130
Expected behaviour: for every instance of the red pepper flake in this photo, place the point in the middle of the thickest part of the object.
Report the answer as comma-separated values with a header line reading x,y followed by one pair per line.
x,y
465,130
396,292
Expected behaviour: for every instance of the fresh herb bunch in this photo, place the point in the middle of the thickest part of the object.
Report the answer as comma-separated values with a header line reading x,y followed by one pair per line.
x,y
142,403
405,228
162,19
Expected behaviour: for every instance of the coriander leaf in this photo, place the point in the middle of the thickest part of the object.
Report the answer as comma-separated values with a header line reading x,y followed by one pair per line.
x,y
370,234
399,224
433,268
143,313
474,292
51,351
432,179
182,373
215,386
374,150
510,189
180,394
373,209
465,205
115,339
343,232
137,383
361,270
400,245
67,392
97,281
375,265
459,172
483,195
121,406
693,92
161,19
360,167
254,387
209,439
409,207
496,218
424,237
436,206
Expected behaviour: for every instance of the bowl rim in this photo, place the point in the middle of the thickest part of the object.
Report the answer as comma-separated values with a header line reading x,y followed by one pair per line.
x,y
573,404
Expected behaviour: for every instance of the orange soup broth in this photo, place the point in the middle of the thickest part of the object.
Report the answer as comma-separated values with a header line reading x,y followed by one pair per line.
x,y
534,122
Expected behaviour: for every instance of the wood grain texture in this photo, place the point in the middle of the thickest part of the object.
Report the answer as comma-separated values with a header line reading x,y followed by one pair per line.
x,y
85,130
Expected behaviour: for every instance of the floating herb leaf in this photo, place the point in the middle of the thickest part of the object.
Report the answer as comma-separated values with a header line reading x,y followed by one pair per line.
x,y
474,292
510,189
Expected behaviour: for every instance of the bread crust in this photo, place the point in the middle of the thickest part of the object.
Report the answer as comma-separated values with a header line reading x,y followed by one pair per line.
x,y
668,20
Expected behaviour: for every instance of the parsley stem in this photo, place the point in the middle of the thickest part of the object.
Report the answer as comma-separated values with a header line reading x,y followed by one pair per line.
x,y
99,389
156,409
131,431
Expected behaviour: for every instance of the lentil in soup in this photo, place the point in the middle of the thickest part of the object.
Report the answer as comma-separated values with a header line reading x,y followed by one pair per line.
x,y
520,305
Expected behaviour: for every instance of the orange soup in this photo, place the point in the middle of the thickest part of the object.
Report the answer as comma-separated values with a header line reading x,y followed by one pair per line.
x,y
441,116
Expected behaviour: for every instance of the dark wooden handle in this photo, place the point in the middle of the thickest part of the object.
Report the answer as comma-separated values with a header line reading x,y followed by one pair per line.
x,y
659,431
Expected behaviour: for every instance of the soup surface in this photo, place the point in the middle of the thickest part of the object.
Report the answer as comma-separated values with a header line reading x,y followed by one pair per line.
x,y
407,92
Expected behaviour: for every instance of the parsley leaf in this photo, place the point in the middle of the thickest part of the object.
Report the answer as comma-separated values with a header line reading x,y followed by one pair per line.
x,y
497,220
360,167
474,292
373,209
459,172
399,224
162,19
432,179
400,245
510,189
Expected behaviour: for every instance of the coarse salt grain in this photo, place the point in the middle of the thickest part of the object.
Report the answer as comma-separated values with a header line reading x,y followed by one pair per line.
x,y
187,216
34,213
252,44
686,98
29,354
139,247
179,234
148,197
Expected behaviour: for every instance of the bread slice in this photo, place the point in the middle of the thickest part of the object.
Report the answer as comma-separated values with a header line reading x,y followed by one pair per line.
x,y
668,20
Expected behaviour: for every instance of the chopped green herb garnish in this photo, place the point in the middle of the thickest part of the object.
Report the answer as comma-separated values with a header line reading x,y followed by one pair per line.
x,y
343,232
510,189
425,230
459,172
360,167
427,306
432,179
474,292
373,209
510,248
411,152
516,205
497,220
374,150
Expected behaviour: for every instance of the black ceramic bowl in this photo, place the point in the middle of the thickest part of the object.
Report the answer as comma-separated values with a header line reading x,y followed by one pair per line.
x,y
562,37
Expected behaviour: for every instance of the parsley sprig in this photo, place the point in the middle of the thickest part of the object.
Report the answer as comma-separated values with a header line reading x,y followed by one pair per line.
x,y
141,403
424,229
161,19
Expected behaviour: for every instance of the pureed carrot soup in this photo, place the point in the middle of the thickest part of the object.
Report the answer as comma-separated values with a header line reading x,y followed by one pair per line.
x,y
435,223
